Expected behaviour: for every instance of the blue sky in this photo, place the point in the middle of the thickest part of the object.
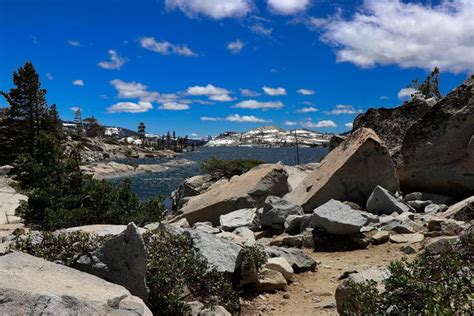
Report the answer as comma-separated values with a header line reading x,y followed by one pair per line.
x,y
180,65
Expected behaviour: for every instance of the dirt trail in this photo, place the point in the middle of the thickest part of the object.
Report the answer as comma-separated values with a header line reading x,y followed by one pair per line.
x,y
312,293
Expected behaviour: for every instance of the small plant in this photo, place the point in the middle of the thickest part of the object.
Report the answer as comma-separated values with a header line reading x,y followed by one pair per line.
x,y
432,284
253,257
229,168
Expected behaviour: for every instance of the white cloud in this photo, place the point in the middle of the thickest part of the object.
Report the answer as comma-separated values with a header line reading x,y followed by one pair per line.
x,y
307,110
274,91
165,48
49,76
287,7
174,106
74,43
349,125
116,61
249,93
236,46
194,135
306,91
254,104
236,118
406,93
74,108
260,29
216,9
221,98
78,82
212,92
344,109
130,107
290,123
137,90
320,124
384,97
406,34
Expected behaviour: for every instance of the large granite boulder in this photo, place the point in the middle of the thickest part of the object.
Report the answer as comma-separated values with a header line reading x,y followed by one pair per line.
x,y
381,201
99,229
33,286
392,124
338,218
348,173
276,210
437,153
240,218
220,253
246,191
9,201
120,260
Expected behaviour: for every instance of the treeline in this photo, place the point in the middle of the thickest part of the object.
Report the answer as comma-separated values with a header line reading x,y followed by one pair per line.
x,y
59,194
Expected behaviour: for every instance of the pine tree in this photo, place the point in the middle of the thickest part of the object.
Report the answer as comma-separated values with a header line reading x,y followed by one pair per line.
x,y
26,116
142,132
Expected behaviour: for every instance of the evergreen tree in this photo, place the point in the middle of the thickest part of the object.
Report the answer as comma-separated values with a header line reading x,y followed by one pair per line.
x,y
27,115
142,132
430,87
78,121
93,129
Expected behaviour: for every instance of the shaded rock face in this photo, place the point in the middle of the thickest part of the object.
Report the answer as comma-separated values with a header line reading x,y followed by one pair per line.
x,y
33,286
391,125
298,260
383,202
276,210
437,153
246,191
348,173
121,260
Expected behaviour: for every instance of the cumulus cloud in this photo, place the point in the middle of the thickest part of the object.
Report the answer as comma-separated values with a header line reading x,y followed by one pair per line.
x,y
75,108
309,109
274,91
249,93
320,124
78,82
290,123
306,91
236,46
130,107
406,34
49,76
115,62
174,106
212,92
236,118
406,93
137,90
216,9
343,109
288,7
349,125
194,135
165,47
74,43
261,29
254,104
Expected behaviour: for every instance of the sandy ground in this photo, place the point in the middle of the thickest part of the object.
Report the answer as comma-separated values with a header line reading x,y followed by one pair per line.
x,y
312,293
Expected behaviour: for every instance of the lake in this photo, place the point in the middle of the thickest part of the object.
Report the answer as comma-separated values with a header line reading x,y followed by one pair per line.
x,y
147,185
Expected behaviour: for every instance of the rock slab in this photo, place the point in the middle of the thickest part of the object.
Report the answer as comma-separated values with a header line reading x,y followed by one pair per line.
x,y
338,218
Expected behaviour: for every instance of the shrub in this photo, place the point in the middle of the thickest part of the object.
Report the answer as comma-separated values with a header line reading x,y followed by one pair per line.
x,y
175,272
253,257
94,202
432,284
229,168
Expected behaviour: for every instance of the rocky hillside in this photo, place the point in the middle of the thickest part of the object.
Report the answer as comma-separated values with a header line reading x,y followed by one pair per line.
x,y
271,136
431,144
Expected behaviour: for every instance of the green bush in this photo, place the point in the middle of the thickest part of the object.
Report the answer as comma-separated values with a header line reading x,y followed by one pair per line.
x,y
229,168
175,272
253,257
93,202
432,284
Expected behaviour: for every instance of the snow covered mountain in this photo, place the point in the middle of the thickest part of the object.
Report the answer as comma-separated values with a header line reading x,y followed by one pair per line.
x,y
270,136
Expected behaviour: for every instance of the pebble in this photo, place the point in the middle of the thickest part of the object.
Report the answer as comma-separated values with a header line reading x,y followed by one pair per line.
x,y
286,296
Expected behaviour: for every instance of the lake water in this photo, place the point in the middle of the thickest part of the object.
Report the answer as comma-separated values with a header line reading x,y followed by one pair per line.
x,y
147,185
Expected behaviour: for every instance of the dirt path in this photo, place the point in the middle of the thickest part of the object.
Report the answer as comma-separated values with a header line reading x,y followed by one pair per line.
x,y
312,293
